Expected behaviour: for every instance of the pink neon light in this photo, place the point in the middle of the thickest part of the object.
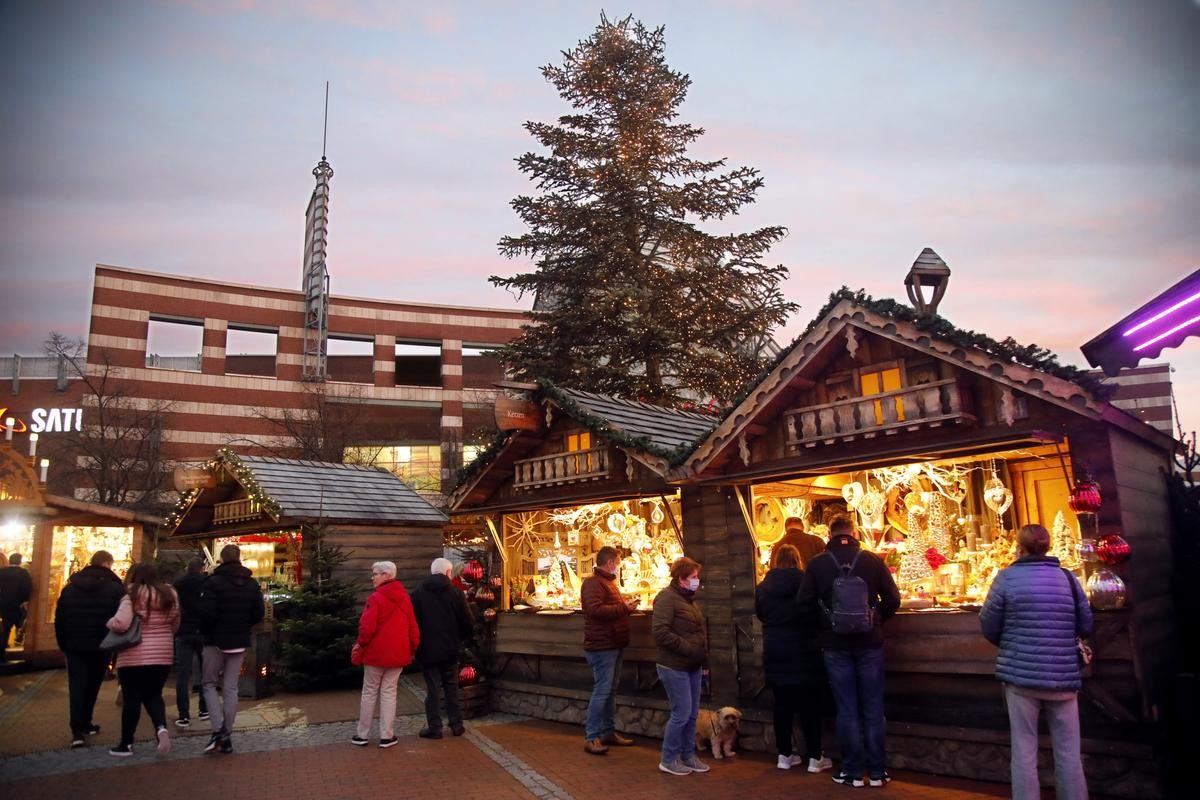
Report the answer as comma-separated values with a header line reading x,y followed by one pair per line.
x,y
1179,327
1160,315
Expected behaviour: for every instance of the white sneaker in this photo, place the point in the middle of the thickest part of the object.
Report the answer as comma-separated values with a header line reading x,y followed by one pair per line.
x,y
820,765
787,762
164,741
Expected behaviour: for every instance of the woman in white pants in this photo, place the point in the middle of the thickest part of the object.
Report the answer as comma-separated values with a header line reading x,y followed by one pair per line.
x,y
387,639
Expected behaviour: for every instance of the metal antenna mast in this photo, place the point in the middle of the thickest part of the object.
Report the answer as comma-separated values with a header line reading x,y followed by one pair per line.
x,y
325,130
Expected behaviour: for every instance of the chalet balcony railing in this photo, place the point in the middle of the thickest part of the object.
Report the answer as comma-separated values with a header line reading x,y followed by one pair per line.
x,y
236,511
925,406
563,468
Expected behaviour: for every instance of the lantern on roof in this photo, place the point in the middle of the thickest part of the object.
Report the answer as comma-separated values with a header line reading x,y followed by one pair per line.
x,y
926,282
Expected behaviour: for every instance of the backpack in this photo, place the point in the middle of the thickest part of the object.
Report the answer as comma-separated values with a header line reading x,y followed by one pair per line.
x,y
850,610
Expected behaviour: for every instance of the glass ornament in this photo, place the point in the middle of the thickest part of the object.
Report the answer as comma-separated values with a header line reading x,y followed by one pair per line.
x,y
1112,549
872,503
472,571
1105,590
852,493
1085,497
1086,550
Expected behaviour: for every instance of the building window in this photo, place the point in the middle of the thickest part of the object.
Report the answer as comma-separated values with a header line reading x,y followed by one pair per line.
x,y
878,382
580,441
174,343
418,465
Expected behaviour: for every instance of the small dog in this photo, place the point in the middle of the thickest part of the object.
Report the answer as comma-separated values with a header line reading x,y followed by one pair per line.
x,y
718,728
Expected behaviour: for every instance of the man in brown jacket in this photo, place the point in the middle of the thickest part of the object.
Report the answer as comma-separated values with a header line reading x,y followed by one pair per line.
x,y
605,634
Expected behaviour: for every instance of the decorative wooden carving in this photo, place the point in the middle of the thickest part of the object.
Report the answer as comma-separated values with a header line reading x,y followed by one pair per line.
x,y
1008,406
18,481
851,340
560,468
925,406
744,449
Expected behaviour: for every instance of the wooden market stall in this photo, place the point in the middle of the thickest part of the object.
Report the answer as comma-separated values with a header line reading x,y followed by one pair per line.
x,y
574,471
941,443
57,536
271,508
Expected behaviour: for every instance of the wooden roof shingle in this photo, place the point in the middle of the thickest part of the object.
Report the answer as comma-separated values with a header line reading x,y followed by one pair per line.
x,y
315,490
665,431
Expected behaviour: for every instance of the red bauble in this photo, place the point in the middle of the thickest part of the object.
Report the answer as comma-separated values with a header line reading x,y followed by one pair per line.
x,y
1085,497
472,571
1112,549
497,582
485,596
489,615
468,675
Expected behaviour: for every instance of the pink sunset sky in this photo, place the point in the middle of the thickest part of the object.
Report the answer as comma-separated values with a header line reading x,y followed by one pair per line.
x,y
1050,152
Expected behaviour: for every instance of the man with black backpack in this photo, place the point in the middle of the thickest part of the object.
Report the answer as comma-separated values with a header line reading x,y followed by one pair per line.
x,y
855,594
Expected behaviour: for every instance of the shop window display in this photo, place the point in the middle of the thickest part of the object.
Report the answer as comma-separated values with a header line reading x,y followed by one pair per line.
x,y
551,551
17,538
944,528
72,548
273,559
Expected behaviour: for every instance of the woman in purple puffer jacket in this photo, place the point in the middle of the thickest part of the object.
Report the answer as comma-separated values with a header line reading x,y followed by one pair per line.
x,y
1033,613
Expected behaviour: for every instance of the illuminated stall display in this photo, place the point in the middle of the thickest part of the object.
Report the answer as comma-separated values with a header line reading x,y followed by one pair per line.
x,y
943,527
273,559
550,551
72,547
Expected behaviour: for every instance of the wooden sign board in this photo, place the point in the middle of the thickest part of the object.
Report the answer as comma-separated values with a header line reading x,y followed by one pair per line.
x,y
191,478
517,415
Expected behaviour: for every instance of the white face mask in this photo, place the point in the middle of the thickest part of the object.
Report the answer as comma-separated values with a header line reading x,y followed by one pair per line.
x,y
692,584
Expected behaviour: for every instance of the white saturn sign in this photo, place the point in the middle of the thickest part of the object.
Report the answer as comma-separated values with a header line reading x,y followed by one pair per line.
x,y
55,420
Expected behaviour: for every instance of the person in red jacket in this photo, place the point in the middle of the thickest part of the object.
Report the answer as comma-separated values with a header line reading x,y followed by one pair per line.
x,y
387,641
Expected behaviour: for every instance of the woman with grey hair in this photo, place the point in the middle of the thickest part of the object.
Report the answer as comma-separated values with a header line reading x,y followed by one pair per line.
x,y
387,639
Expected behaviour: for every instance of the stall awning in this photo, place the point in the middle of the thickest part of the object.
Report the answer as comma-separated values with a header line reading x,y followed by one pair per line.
x,y
1162,323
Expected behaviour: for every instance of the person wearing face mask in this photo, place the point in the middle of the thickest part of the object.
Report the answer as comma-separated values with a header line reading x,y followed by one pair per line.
x,y
679,632
605,635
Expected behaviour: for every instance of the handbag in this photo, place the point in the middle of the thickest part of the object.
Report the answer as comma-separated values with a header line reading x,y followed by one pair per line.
x,y
115,642
1082,648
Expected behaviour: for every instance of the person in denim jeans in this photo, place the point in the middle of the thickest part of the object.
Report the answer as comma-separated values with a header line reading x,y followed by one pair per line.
x,y
1033,613
679,633
189,643
854,661
605,635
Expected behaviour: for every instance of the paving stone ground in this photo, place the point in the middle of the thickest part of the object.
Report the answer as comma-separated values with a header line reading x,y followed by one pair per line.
x,y
297,746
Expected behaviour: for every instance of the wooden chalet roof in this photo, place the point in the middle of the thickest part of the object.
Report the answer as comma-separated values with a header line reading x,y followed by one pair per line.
x,y
656,436
850,315
665,431
315,490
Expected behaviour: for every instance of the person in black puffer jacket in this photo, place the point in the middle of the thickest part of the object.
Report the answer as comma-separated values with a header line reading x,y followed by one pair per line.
x,y
230,605
189,643
854,661
444,621
792,661
89,599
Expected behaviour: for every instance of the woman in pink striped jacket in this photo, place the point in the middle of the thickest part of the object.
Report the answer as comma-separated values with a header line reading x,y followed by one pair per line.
x,y
142,669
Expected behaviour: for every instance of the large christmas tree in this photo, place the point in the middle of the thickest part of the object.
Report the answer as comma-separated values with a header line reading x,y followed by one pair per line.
x,y
632,298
